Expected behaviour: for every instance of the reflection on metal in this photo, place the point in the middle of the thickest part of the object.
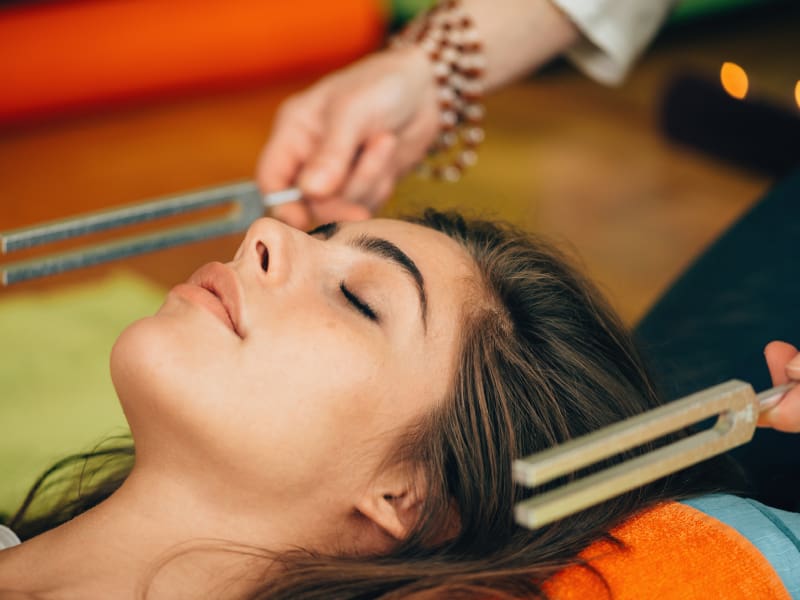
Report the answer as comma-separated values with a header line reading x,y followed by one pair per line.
x,y
246,205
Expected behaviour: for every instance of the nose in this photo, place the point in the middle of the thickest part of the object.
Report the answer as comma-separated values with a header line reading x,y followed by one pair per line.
x,y
269,248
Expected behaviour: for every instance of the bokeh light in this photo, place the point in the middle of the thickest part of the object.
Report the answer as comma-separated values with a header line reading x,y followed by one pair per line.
x,y
734,80
797,93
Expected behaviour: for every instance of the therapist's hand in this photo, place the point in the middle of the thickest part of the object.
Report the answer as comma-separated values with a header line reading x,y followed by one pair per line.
x,y
347,139
783,361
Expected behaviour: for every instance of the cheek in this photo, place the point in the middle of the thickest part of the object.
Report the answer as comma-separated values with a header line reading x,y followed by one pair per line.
x,y
317,375
314,396
294,400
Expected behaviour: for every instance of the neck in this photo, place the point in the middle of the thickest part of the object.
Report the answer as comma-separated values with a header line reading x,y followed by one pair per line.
x,y
168,544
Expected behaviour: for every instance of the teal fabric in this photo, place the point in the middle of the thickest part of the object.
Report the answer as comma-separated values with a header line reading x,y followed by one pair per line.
x,y
776,533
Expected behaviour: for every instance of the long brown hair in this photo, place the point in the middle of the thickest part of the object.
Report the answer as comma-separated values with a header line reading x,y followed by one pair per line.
x,y
543,359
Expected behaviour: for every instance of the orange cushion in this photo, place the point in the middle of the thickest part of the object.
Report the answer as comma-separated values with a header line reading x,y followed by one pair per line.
x,y
61,56
674,552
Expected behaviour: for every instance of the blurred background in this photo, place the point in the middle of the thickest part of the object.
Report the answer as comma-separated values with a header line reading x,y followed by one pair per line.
x,y
108,102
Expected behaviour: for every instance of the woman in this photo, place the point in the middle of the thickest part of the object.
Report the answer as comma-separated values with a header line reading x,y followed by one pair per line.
x,y
335,414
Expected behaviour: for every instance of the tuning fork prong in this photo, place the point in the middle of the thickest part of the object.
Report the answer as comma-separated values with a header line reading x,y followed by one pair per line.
x,y
733,402
246,205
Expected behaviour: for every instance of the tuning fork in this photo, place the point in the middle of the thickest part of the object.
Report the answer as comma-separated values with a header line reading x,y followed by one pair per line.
x,y
247,203
733,402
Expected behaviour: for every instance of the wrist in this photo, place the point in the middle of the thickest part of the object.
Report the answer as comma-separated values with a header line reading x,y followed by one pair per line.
x,y
446,37
418,71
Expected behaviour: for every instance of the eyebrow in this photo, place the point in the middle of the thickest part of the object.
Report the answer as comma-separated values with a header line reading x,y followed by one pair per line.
x,y
385,249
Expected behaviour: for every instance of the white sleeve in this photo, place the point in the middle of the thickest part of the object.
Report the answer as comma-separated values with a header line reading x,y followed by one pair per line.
x,y
614,32
7,538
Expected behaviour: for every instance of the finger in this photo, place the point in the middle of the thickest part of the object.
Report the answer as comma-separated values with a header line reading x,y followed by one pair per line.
x,y
782,359
785,416
296,214
292,142
793,368
337,209
383,190
282,158
372,167
325,172
778,356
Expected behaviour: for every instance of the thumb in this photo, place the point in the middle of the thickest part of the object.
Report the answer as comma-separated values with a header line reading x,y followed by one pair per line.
x,y
779,357
326,171
793,368
783,362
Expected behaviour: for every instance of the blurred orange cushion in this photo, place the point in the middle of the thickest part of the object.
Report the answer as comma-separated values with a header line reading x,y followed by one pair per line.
x,y
672,552
56,57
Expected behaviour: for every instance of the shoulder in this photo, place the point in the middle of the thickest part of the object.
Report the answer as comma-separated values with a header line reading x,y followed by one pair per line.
x,y
670,552
775,533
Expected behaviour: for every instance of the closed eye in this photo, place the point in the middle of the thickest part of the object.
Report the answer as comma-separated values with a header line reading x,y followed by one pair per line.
x,y
357,303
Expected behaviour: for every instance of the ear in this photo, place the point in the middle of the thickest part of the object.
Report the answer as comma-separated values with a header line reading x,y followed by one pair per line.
x,y
393,500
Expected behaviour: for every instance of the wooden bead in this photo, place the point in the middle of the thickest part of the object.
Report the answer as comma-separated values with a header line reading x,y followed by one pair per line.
x,y
451,173
471,72
448,119
474,113
471,90
441,70
448,139
446,94
467,158
448,36
456,82
472,136
450,55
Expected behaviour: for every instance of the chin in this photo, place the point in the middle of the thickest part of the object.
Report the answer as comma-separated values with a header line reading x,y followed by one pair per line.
x,y
151,361
134,362
160,367
156,353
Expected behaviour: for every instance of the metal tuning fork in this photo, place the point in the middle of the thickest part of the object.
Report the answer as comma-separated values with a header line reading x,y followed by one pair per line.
x,y
247,204
733,402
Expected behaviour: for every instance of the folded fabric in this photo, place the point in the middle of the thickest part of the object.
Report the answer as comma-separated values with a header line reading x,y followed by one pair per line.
x,y
57,397
61,57
671,552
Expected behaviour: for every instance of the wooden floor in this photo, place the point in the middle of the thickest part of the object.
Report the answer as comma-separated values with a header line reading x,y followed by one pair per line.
x,y
584,164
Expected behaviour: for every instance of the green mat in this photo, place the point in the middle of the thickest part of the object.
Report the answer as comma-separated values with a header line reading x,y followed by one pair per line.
x,y
56,396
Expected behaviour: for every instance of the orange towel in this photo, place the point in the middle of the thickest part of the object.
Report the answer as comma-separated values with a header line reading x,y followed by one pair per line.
x,y
673,552
57,57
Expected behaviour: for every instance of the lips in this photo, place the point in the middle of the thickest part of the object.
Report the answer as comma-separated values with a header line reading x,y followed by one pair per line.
x,y
216,288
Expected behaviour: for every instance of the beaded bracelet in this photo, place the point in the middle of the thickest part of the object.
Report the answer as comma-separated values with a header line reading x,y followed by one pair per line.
x,y
448,36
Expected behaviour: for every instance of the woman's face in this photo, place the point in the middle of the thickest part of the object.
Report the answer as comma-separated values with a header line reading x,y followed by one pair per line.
x,y
290,371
